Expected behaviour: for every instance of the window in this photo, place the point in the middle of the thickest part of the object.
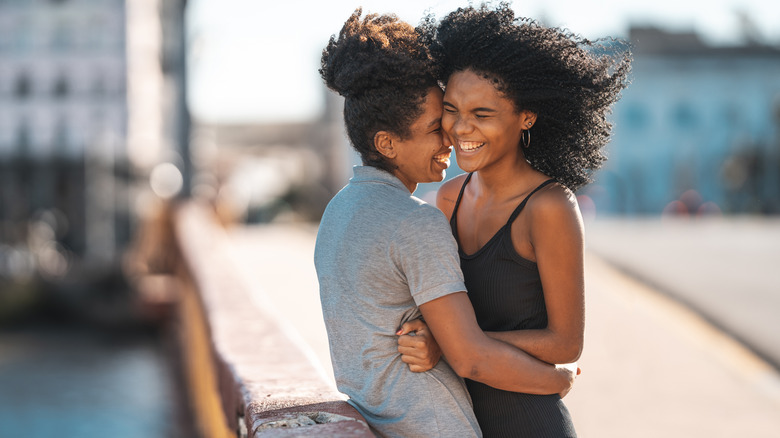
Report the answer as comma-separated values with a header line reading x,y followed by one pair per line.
x,y
62,37
635,116
731,114
61,87
61,136
23,86
23,34
23,138
684,116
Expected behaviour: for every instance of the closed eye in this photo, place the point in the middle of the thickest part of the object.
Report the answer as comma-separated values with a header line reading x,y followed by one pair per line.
x,y
483,112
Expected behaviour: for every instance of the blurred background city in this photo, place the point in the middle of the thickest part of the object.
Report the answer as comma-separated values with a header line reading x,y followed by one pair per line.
x,y
113,111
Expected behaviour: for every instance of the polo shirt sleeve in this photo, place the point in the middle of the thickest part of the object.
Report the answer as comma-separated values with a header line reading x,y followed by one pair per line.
x,y
426,253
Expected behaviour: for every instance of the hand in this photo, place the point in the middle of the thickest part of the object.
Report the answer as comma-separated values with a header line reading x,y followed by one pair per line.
x,y
417,346
572,371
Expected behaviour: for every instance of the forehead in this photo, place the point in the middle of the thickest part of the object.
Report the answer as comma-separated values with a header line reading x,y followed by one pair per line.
x,y
432,108
469,87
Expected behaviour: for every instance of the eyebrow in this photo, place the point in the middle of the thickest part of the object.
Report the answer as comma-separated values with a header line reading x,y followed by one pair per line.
x,y
475,110
434,122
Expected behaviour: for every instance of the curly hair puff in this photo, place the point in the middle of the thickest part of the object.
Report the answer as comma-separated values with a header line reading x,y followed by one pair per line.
x,y
569,82
384,71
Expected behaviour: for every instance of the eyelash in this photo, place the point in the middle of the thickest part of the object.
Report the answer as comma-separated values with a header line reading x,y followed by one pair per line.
x,y
452,111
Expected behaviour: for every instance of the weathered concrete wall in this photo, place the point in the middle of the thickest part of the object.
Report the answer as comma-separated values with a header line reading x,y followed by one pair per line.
x,y
246,375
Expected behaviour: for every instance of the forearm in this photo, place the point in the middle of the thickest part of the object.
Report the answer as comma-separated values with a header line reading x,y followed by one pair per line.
x,y
475,356
502,366
545,344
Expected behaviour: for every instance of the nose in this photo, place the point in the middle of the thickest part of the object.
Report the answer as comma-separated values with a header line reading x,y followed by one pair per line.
x,y
461,126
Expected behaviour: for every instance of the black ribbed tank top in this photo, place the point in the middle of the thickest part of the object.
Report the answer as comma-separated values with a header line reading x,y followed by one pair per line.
x,y
506,292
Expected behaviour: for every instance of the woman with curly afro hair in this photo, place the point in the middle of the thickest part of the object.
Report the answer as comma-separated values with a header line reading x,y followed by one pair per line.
x,y
385,258
525,108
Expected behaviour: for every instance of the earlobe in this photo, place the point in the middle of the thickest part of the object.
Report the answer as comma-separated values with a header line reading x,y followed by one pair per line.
x,y
383,142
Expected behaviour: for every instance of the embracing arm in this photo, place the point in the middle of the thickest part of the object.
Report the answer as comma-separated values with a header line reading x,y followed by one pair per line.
x,y
470,352
475,356
556,234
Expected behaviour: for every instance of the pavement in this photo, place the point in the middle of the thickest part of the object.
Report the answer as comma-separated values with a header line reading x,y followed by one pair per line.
x,y
658,361
722,267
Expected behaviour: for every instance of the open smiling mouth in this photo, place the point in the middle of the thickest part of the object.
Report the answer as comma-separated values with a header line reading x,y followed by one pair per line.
x,y
470,146
443,157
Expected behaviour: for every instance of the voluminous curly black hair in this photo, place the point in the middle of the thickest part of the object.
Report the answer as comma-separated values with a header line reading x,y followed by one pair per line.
x,y
384,70
569,82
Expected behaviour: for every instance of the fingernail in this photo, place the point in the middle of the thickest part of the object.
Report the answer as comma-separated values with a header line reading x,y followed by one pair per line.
x,y
399,331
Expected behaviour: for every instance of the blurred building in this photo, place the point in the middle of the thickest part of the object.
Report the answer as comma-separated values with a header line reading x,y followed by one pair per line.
x,y
697,131
266,171
91,102
63,118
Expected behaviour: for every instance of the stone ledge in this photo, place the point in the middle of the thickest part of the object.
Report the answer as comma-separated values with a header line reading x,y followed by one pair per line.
x,y
262,375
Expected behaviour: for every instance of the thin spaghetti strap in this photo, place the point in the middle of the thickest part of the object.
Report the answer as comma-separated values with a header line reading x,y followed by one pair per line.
x,y
454,217
460,195
522,204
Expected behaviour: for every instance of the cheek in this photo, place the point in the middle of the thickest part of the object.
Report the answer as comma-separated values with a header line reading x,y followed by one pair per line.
x,y
513,137
447,121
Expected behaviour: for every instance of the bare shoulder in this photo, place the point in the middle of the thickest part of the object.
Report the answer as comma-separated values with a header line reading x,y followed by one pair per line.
x,y
447,195
554,203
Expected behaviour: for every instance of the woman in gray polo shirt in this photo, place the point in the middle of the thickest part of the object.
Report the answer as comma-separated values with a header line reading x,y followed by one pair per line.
x,y
384,257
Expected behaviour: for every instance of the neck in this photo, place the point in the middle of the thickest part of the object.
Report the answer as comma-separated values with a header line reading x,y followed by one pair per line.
x,y
502,178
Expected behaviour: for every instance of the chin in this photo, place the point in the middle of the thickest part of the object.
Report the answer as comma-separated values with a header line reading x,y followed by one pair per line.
x,y
467,168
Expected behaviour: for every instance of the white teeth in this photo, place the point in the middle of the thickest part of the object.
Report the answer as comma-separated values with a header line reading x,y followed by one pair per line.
x,y
469,146
443,158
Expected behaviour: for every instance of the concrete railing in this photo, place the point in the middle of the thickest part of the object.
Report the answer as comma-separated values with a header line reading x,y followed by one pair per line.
x,y
245,375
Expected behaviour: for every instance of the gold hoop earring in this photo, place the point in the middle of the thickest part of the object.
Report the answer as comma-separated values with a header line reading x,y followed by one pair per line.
x,y
525,138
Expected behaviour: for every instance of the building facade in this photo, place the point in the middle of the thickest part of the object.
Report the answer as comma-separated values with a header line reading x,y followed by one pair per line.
x,y
696,132
63,116
91,102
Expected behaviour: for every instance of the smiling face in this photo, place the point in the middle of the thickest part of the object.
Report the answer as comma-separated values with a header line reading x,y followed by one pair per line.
x,y
422,157
482,124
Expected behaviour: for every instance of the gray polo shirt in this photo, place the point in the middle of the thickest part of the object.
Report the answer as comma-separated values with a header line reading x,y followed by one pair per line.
x,y
380,253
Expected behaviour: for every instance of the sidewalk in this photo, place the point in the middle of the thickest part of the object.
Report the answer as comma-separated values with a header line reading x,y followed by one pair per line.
x,y
722,267
651,368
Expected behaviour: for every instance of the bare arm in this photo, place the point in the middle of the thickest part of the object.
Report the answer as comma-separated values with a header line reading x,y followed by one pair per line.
x,y
447,195
475,356
556,235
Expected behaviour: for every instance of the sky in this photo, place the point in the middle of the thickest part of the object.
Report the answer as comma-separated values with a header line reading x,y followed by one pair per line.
x,y
256,61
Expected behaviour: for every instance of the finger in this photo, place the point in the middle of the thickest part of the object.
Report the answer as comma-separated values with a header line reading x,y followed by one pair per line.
x,y
411,341
410,327
411,360
410,352
417,369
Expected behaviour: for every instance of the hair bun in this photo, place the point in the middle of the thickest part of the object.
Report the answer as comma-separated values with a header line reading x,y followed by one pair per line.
x,y
366,53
